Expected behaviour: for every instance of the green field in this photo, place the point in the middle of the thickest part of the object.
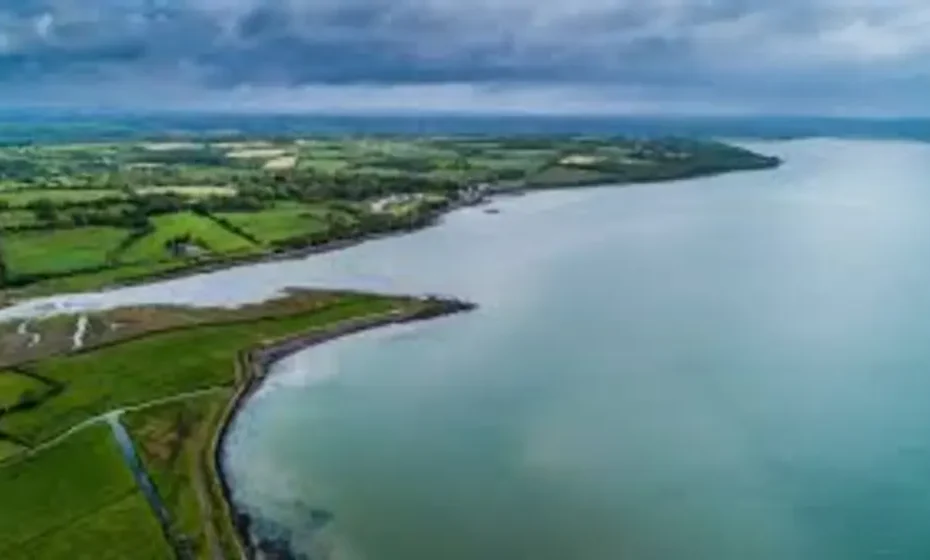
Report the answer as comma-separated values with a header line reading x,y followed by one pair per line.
x,y
16,218
59,251
21,198
560,175
324,164
76,500
284,221
97,382
13,387
124,529
8,449
171,440
207,233
192,191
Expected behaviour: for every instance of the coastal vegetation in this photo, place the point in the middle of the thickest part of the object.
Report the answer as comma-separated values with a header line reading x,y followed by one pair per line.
x,y
174,442
66,487
76,499
96,382
89,215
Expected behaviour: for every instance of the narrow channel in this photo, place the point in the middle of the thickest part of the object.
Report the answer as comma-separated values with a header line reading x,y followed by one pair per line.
x,y
134,462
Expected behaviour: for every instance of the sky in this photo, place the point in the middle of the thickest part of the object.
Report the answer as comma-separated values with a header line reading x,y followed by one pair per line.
x,y
696,57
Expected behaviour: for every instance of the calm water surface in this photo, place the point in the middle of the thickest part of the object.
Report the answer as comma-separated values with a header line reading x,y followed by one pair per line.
x,y
726,369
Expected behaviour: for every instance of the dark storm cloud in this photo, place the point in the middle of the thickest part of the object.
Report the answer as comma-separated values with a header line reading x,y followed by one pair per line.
x,y
751,47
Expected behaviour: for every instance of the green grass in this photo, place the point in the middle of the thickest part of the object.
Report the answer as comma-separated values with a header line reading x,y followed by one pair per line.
x,y
125,529
13,386
559,176
138,371
173,441
202,191
24,197
59,251
284,221
61,501
324,164
17,218
8,449
215,238
101,279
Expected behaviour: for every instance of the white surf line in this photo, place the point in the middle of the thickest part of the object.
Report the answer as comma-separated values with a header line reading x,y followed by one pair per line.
x,y
116,413
80,331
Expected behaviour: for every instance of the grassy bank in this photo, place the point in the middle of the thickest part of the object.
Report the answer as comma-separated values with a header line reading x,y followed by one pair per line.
x,y
97,381
172,440
68,489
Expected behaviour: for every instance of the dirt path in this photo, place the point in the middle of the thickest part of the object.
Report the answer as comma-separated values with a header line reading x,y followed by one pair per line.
x,y
103,417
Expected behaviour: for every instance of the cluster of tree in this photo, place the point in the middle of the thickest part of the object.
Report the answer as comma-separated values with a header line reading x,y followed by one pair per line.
x,y
128,217
32,168
116,212
16,169
671,159
342,227
413,164
15,280
310,186
98,203
183,156
241,202
180,245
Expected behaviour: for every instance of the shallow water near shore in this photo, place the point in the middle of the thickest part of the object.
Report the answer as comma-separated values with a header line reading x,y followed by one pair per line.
x,y
727,368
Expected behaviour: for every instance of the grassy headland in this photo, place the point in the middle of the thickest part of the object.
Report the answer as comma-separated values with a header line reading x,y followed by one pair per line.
x,y
68,489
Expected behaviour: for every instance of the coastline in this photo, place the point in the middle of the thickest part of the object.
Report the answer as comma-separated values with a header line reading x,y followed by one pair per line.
x,y
253,368
14,297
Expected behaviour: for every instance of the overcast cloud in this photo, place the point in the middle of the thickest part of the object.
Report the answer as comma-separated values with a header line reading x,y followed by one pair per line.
x,y
691,56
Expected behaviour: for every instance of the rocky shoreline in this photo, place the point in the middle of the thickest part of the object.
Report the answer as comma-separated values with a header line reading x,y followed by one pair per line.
x,y
253,367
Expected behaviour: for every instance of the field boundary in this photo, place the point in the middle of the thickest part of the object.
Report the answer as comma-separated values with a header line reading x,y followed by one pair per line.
x,y
233,228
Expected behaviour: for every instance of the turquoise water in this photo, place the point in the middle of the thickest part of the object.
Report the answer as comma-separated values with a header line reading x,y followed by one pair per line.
x,y
730,368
